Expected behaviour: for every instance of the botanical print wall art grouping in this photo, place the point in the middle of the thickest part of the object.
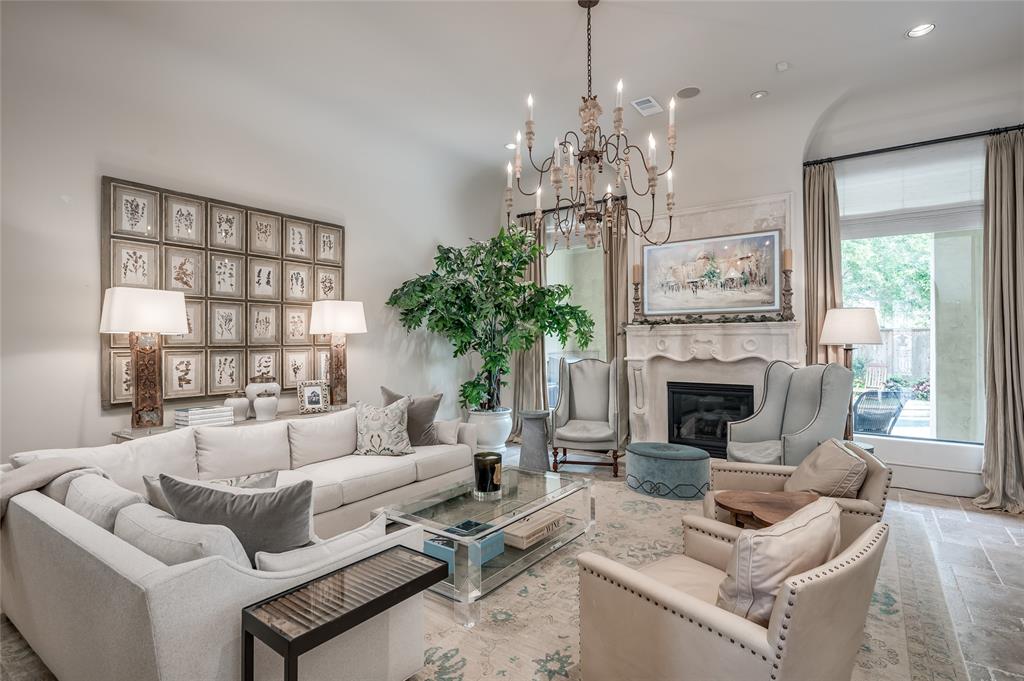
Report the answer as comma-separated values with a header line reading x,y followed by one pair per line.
x,y
249,276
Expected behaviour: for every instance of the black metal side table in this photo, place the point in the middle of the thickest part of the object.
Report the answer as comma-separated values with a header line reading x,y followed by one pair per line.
x,y
305,616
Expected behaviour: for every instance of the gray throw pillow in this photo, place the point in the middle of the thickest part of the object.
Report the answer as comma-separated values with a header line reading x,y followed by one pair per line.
x,y
381,431
421,414
254,481
275,520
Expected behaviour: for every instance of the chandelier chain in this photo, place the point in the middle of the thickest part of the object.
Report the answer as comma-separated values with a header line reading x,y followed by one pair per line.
x,y
590,78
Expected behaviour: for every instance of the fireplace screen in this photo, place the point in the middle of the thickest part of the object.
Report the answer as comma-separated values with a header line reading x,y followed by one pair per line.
x,y
698,413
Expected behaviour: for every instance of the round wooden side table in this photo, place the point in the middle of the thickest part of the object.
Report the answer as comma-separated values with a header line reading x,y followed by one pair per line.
x,y
755,510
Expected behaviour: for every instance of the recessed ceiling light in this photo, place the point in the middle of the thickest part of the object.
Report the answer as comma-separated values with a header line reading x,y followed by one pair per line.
x,y
760,94
919,31
688,93
510,146
782,66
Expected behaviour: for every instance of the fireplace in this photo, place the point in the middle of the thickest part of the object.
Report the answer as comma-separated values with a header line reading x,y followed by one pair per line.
x,y
698,413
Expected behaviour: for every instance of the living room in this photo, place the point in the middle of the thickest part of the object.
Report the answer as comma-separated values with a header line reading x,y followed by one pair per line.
x,y
488,340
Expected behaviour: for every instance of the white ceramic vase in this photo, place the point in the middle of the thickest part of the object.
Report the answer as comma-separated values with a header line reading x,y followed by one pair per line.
x,y
239,404
265,406
492,428
256,387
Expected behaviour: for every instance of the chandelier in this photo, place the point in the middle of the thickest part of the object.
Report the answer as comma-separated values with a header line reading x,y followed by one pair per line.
x,y
575,163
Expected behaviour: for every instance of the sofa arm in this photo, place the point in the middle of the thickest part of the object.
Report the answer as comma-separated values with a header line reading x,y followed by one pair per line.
x,y
634,627
708,541
467,435
751,476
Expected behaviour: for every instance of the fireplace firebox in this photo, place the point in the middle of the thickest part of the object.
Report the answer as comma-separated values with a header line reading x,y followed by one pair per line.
x,y
699,413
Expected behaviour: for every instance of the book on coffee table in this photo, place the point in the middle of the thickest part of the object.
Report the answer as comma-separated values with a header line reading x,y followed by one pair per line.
x,y
533,529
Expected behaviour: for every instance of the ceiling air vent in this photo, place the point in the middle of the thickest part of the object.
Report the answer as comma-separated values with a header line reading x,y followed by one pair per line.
x,y
647,106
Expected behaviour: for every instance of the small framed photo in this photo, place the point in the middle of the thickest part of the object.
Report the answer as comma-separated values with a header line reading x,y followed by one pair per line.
x,y
298,239
195,312
298,283
296,325
298,367
264,364
226,322
322,339
264,279
184,373
314,397
323,364
184,270
121,380
226,227
225,369
226,276
329,245
328,283
134,212
134,264
184,220
264,324
264,234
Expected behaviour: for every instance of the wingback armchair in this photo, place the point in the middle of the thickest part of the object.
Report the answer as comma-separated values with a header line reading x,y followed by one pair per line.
x,y
587,416
660,623
800,409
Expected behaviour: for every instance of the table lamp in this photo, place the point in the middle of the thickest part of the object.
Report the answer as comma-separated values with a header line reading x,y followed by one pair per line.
x,y
849,326
144,314
338,318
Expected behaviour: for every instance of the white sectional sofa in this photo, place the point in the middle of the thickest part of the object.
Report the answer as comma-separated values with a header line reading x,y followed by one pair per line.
x,y
95,608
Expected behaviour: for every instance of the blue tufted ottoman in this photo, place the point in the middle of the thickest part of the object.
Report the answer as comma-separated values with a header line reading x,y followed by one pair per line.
x,y
666,470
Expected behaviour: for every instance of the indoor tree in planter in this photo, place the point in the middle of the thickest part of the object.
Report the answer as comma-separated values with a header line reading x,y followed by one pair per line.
x,y
476,297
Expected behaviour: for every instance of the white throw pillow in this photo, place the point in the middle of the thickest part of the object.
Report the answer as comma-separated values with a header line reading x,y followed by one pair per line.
x,y
381,431
762,560
831,470
309,555
321,438
447,431
173,541
226,452
99,499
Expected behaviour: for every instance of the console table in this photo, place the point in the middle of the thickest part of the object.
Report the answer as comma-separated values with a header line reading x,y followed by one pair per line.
x,y
127,434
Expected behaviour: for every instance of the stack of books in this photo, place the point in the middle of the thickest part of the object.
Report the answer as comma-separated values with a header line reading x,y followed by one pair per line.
x,y
203,416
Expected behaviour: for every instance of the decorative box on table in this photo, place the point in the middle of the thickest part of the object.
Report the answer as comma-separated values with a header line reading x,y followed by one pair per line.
x,y
488,548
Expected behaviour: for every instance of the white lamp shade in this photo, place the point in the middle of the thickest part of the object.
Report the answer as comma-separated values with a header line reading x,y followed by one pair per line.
x,y
850,326
143,310
337,316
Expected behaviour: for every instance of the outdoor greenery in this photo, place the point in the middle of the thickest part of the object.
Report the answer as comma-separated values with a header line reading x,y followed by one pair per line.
x,y
476,297
893,274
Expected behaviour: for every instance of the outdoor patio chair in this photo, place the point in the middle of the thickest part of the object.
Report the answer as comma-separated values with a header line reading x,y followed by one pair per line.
x,y
876,411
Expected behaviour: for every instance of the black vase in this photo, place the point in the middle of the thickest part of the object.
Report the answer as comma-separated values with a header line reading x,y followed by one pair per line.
x,y
487,470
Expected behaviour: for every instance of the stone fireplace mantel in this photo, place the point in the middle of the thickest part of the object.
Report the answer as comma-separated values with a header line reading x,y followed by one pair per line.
x,y
712,353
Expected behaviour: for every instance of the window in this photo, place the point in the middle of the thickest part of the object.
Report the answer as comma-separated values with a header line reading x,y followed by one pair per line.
x,y
912,230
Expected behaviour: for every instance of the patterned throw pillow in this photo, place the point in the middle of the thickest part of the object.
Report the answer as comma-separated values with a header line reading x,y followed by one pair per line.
x,y
381,431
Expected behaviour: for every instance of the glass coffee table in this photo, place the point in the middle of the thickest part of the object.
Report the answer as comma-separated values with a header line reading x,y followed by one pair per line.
x,y
488,542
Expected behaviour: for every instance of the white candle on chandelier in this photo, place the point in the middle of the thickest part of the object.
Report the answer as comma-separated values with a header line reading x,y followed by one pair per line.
x,y
519,141
529,103
618,93
671,112
652,150
509,168
608,190
668,177
538,198
558,153
572,162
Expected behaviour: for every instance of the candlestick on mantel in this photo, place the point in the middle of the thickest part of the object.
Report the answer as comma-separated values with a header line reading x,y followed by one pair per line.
x,y
636,273
787,259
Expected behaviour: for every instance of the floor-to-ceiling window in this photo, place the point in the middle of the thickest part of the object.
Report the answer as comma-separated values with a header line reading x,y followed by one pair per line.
x,y
912,229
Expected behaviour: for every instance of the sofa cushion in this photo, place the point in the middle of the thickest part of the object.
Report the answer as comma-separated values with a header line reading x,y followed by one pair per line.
x,y
762,560
768,451
420,416
685,574
173,453
361,477
255,481
326,489
831,470
226,452
447,431
381,431
322,437
335,546
173,541
99,499
57,489
440,459
586,431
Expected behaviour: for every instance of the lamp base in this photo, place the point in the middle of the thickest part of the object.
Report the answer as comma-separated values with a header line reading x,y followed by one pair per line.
x,y
147,388
339,370
848,363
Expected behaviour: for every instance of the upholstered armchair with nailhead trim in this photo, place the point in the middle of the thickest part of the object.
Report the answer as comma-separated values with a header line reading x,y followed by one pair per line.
x,y
858,514
660,623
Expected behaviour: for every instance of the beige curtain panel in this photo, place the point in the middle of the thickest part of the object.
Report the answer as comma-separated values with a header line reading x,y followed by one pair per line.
x,y
822,261
1003,469
529,389
617,307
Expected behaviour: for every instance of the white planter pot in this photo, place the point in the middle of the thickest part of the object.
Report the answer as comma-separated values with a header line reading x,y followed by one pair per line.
x,y
492,428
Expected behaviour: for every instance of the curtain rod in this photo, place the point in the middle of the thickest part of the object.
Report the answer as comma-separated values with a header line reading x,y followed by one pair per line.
x,y
548,211
914,145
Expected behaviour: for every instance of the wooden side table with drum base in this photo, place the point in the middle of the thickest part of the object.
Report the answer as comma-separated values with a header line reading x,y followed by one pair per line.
x,y
756,510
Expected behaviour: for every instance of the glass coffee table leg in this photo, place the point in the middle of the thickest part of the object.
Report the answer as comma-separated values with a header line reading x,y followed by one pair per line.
x,y
467,583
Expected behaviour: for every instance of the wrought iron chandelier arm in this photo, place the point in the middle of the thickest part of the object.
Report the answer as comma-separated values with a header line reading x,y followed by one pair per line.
x,y
671,162
519,185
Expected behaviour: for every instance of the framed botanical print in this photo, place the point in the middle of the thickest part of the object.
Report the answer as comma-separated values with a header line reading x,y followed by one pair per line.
x,y
264,279
121,379
314,397
296,325
225,369
195,312
264,364
134,264
264,234
135,212
298,367
298,239
226,323
264,324
328,245
184,373
226,227
184,271
226,276
184,220
328,283
298,283
323,364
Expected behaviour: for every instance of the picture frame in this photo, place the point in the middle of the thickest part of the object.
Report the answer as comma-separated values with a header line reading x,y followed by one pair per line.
x,y
184,373
329,245
226,323
323,364
134,212
328,283
225,371
184,220
263,364
314,397
264,282
134,263
264,233
184,270
226,275
264,326
225,227
298,240
195,312
297,285
122,381
295,324
297,366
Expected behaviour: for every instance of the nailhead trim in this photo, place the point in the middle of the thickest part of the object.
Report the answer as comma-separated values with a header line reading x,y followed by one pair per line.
x,y
706,532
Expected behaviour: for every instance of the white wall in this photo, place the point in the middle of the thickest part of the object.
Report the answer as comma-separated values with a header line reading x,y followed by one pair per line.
x,y
85,96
